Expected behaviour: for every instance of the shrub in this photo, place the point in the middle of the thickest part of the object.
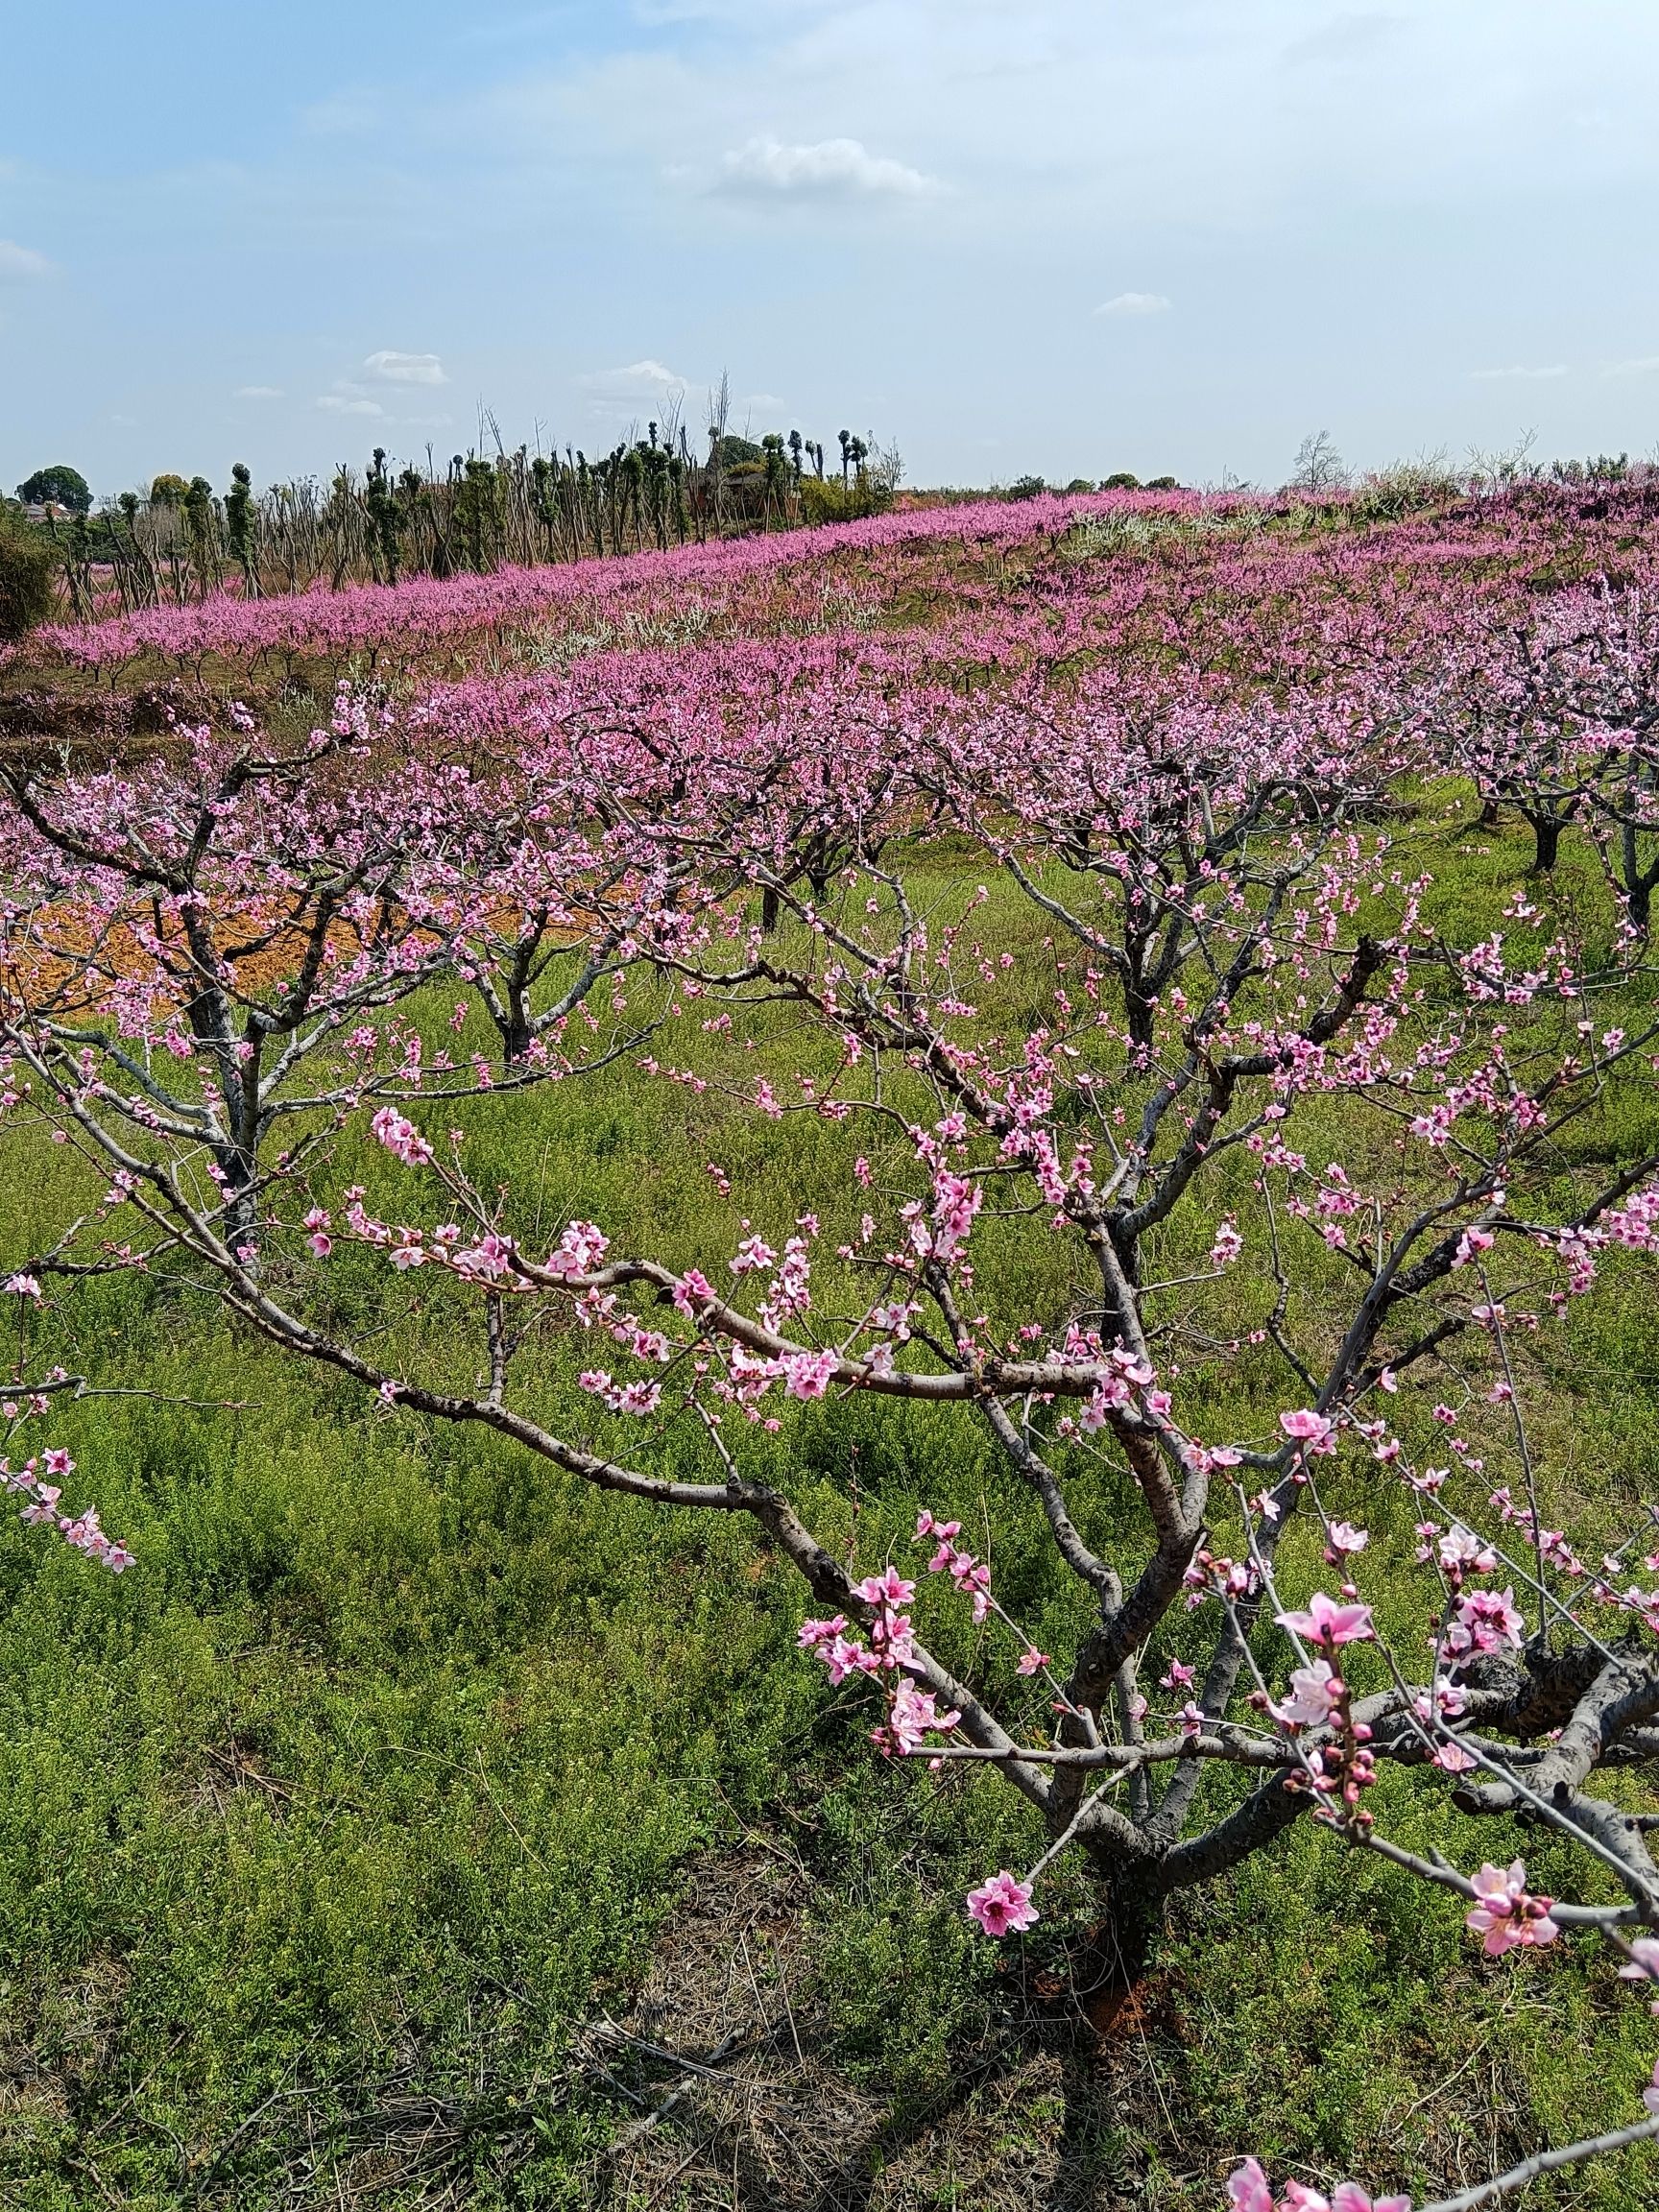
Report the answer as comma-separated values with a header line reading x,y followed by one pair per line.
x,y
1405,488
825,500
1124,480
25,579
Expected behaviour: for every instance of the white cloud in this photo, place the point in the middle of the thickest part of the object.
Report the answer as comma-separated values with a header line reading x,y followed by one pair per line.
x,y
640,376
644,386
1135,303
1518,375
649,388
20,261
257,392
1644,366
335,403
828,169
389,367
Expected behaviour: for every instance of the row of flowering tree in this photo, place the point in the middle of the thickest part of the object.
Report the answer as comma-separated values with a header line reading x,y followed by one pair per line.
x,y
1175,1139
1224,576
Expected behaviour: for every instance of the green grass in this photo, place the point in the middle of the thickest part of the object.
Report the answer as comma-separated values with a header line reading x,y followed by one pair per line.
x,y
385,1766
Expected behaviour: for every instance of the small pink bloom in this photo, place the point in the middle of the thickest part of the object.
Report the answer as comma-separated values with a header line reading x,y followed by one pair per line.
x,y
400,1137
1315,1693
945,1532
1327,1622
914,1715
809,1374
1506,1916
1306,1425
1485,1620
693,1291
490,1256
889,1588
843,1655
1247,2189
580,1250
1003,1905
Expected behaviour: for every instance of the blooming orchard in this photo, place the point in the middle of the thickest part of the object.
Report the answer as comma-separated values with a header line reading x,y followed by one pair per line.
x,y
1177,1129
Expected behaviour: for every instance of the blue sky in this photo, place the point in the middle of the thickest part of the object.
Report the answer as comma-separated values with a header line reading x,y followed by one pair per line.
x,y
1059,236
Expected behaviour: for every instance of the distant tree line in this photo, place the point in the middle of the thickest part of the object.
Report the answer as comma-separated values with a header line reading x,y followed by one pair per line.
x,y
183,539
1122,480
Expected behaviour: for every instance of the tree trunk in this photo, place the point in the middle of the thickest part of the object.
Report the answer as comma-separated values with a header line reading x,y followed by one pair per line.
x,y
1547,831
1119,1950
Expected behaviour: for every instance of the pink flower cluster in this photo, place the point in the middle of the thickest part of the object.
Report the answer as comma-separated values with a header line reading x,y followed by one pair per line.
x,y
400,1137
33,1482
1003,1905
1248,2191
1506,1915
892,1643
1328,1625
970,1575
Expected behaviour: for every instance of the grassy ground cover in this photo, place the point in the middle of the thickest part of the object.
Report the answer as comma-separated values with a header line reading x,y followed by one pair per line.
x,y
345,1841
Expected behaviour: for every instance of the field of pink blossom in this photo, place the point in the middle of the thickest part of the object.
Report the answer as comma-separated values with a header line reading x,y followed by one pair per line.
x,y
1154,549
833,1373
